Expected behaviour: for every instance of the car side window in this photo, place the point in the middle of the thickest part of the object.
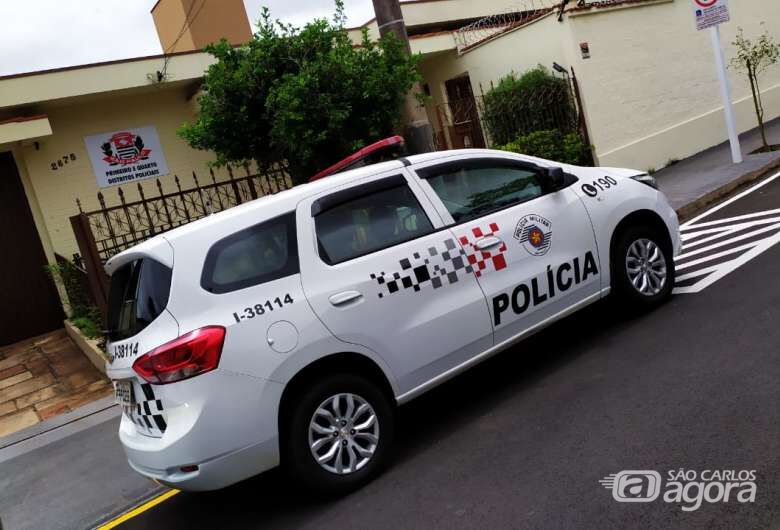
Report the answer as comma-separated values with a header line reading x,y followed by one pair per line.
x,y
255,255
473,188
358,225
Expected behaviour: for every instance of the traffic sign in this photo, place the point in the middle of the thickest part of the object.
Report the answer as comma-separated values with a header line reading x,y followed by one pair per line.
x,y
710,13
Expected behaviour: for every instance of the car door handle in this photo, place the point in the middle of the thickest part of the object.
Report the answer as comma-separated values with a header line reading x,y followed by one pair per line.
x,y
340,299
486,243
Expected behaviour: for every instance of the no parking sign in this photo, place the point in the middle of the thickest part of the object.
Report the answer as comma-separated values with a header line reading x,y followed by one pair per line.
x,y
710,13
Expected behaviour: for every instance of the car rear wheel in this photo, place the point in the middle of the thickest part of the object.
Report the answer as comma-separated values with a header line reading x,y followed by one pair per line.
x,y
642,267
339,434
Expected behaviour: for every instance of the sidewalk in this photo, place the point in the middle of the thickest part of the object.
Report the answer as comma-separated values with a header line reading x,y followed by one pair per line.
x,y
44,377
700,179
72,473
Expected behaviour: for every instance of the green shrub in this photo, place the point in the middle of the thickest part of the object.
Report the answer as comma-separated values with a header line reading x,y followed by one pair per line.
x,y
84,314
88,325
553,145
535,101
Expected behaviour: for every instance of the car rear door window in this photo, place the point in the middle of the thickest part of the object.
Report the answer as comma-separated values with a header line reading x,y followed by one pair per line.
x,y
474,188
138,295
255,255
358,223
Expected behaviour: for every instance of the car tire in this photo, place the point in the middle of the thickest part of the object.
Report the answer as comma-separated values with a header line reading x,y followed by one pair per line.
x,y
298,456
636,268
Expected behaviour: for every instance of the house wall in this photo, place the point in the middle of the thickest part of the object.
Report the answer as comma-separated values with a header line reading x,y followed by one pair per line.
x,y
650,87
430,11
55,191
517,51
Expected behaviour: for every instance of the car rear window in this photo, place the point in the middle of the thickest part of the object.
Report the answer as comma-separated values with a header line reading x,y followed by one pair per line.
x,y
258,254
138,294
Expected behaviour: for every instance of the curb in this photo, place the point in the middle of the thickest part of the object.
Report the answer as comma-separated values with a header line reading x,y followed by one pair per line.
x,y
88,347
708,199
108,518
56,422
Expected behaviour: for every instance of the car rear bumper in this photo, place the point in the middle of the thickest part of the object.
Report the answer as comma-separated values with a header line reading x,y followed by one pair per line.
x,y
219,472
222,422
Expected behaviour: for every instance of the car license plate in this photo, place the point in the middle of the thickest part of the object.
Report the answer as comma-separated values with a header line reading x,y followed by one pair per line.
x,y
123,393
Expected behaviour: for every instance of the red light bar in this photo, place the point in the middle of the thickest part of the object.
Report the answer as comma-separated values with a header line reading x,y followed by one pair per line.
x,y
356,157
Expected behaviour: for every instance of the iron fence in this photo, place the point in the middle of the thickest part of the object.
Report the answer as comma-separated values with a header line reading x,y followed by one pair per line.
x,y
469,122
117,227
514,113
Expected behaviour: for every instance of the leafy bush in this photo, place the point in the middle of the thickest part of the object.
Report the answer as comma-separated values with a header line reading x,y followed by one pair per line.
x,y
304,95
535,101
553,145
89,324
84,314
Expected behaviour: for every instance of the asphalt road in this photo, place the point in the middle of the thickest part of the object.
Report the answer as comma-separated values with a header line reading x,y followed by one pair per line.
x,y
522,440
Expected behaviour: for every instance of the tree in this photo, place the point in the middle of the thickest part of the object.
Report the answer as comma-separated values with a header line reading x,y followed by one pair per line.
x,y
306,96
754,58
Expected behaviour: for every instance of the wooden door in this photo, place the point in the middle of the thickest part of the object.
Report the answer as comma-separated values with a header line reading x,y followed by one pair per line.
x,y
29,304
466,130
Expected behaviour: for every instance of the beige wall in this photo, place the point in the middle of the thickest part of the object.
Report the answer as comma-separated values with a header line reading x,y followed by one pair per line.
x,y
56,191
210,20
650,87
98,79
24,129
168,18
518,51
427,12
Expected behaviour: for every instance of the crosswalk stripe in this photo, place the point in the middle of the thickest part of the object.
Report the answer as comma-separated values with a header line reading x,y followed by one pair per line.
x,y
711,249
730,201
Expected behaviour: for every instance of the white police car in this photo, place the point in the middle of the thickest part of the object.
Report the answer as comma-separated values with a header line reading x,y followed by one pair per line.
x,y
288,329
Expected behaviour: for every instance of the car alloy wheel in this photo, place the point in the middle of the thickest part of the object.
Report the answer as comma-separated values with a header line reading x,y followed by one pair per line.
x,y
343,433
646,267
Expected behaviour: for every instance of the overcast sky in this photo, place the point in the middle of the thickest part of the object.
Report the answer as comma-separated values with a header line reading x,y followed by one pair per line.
x,y
42,34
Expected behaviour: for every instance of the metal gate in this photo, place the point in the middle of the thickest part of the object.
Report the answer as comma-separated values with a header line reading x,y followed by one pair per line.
x,y
110,229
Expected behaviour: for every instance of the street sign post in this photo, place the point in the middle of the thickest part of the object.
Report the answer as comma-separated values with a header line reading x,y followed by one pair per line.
x,y
710,14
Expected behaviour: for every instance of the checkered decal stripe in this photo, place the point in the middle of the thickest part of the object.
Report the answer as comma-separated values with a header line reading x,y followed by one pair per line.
x,y
148,412
481,259
439,266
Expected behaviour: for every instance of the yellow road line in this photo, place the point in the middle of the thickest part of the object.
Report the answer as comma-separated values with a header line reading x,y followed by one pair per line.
x,y
138,510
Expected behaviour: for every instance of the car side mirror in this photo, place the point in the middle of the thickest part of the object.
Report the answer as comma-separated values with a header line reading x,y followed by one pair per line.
x,y
555,177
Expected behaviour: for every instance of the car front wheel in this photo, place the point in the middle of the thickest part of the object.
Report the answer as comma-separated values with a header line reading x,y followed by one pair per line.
x,y
642,267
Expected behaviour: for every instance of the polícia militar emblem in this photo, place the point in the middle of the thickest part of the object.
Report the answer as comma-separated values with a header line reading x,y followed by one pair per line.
x,y
124,148
534,232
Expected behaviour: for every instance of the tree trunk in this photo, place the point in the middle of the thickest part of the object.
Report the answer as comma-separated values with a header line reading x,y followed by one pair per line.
x,y
752,75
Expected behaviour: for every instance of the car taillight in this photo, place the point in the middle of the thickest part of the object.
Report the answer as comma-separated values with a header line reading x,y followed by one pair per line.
x,y
192,354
